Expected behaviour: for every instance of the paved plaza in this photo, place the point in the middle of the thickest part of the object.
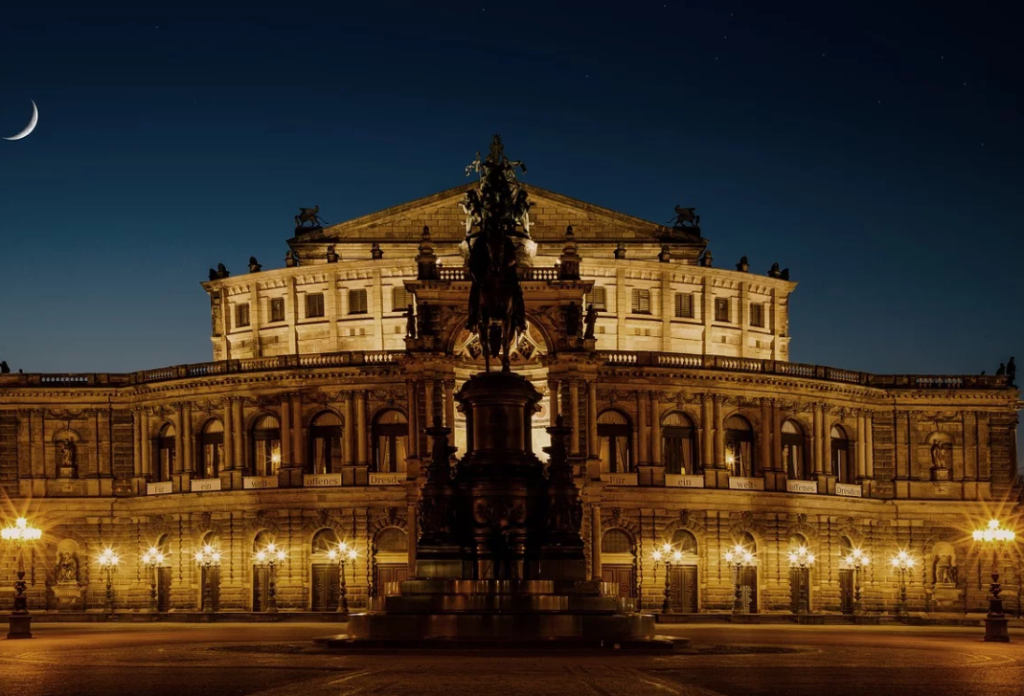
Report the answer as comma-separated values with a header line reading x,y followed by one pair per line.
x,y
280,660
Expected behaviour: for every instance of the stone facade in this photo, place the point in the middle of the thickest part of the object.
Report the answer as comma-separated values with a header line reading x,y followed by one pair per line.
x,y
691,427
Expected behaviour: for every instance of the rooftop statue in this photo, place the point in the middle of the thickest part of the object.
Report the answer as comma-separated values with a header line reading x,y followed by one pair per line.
x,y
309,215
686,219
497,243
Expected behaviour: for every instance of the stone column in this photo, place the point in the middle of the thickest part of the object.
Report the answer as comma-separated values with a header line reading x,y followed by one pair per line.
x,y
231,476
707,433
719,426
657,460
643,403
414,442
593,449
553,401
136,442
765,449
238,434
771,446
190,441
595,542
178,481
298,441
360,406
147,447
861,447
449,409
286,431
816,466
349,433
717,475
574,405
869,453
428,403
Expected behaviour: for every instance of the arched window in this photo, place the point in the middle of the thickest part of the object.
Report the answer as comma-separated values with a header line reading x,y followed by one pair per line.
x,y
616,541
739,446
325,451
684,541
678,444
390,441
841,466
266,446
794,451
392,540
166,453
616,436
262,539
211,449
324,541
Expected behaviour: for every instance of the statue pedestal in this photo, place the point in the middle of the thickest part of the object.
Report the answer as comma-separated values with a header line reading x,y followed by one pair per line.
x,y
69,597
940,474
66,472
947,597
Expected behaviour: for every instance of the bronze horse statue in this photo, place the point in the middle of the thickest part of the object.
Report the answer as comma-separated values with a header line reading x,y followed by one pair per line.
x,y
498,207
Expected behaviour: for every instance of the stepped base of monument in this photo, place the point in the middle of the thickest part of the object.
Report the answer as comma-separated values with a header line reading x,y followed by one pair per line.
x,y
490,613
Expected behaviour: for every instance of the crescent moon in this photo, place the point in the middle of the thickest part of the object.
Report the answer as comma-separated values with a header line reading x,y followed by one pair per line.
x,y
31,124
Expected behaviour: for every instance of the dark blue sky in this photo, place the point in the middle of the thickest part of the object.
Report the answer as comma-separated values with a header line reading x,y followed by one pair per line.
x,y
876,149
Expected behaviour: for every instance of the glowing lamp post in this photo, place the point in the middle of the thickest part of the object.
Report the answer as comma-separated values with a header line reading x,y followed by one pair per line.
x,y
270,556
995,536
903,562
738,558
802,560
207,558
669,556
109,560
857,559
153,559
20,534
341,555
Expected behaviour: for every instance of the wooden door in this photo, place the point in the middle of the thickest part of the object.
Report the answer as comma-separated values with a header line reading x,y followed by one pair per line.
x,y
326,584
163,588
621,573
260,588
799,579
212,576
846,589
748,589
684,589
390,572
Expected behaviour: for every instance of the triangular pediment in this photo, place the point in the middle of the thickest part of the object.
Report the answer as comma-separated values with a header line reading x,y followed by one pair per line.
x,y
550,215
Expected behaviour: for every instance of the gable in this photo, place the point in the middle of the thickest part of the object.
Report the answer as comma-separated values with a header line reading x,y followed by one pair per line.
x,y
550,215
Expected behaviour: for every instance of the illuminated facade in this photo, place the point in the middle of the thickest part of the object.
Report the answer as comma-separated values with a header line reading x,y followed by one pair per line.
x,y
691,427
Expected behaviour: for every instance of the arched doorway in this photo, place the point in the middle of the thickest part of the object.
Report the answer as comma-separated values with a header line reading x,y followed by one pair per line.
x,y
261,573
618,561
794,451
678,444
747,577
739,447
211,449
266,446
326,578
846,577
162,573
166,453
325,444
683,578
616,443
799,576
390,441
390,558
841,465
209,577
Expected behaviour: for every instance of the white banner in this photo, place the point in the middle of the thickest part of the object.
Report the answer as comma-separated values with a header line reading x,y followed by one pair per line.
x,y
850,490
620,479
321,480
390,479
740,483
802,486
199,485
684,481
257,482
159,488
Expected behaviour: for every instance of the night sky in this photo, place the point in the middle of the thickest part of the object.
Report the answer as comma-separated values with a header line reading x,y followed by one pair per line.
x,y
874,149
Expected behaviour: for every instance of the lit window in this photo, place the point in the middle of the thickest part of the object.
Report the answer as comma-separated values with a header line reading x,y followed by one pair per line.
x,y
400,299
684,305
641,301
756,314
722,309
277,309
598,297
314,305
242,315
357,301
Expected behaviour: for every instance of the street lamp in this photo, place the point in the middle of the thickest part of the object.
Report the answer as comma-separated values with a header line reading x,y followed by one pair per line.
x,y
738,558
270,556
21,533
667,555
857,559
802,560
342,554
903,562
109,561
995,535
153,559
206,558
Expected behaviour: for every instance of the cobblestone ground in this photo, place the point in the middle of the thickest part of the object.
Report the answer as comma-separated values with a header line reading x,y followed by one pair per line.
x,y
279,660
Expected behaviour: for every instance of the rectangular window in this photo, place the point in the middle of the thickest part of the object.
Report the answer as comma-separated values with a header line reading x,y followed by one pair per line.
x,y
641,301
722,309
756,314
314,305
357,301
684,305
277,309
400,299
242,315
598,297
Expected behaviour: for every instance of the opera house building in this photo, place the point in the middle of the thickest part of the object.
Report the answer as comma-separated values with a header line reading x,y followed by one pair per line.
x,y
716,475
